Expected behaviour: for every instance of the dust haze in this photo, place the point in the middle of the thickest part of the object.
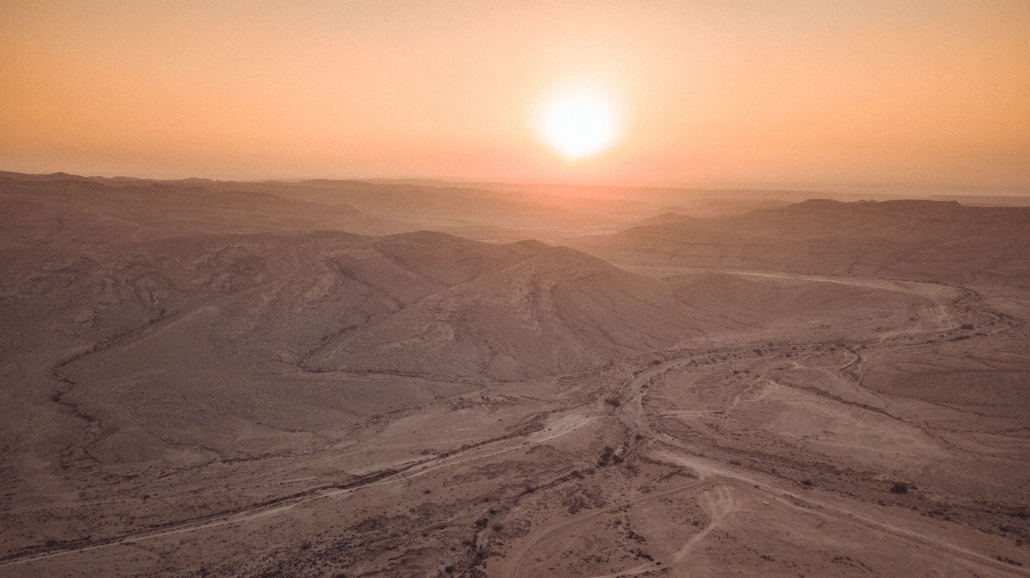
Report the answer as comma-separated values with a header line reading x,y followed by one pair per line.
x,y
416,378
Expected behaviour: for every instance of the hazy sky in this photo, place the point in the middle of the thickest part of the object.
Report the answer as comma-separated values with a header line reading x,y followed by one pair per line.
x,y
713,92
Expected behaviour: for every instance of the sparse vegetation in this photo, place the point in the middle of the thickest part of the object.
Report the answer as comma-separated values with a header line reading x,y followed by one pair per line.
x,y
1007,560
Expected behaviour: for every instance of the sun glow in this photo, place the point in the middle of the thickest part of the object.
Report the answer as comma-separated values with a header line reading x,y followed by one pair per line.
x,y
579,123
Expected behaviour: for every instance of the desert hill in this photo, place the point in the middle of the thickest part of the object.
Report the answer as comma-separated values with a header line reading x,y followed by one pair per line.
x,y
62,205
929,240
179,340
558,311
452,260
179,323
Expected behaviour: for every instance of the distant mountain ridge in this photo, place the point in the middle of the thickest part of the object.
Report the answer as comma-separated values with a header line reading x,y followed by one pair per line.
x,y
918,239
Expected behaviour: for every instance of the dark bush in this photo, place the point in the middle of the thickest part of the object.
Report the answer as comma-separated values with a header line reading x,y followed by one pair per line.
x,y
899,488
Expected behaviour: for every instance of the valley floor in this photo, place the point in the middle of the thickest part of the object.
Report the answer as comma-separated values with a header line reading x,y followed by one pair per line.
x,y
869,441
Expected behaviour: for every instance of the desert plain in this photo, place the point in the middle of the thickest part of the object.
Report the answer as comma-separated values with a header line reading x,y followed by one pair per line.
x,y
342,378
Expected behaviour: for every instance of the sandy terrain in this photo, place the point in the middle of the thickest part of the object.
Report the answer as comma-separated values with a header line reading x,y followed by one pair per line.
x,y
203,380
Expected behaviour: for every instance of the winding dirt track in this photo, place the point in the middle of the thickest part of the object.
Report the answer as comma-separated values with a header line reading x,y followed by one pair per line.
x,y
717,483
728,477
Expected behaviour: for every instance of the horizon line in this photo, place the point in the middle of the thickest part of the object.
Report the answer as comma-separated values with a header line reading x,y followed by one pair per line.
x,y
827,188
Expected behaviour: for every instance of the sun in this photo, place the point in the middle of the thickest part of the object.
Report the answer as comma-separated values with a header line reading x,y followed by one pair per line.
x,y
579,123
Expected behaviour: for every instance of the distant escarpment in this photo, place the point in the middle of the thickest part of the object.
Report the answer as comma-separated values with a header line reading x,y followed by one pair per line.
x,y
926,240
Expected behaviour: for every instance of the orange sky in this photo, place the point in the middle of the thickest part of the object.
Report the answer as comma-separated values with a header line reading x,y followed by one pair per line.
x,y
715,92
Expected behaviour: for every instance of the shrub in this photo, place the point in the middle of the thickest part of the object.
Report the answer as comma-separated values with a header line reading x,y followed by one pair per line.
x,y
899,488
